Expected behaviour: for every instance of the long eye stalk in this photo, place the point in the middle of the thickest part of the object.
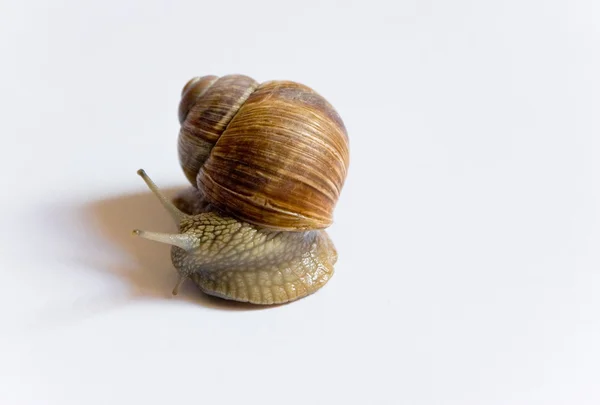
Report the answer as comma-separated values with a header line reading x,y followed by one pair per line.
x,y
169,206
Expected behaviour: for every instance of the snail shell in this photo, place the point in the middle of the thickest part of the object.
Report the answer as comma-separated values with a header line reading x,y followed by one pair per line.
x,y
274,154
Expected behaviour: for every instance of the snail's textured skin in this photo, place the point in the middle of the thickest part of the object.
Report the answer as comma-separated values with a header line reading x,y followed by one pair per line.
x,y
239,261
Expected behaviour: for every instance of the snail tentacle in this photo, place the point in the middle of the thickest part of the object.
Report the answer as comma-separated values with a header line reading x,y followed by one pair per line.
x,y
176,214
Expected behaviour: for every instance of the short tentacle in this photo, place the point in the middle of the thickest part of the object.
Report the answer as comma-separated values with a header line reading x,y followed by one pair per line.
x,y
182,278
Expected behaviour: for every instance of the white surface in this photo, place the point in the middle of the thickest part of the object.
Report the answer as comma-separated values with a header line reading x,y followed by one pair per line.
x,y
468,229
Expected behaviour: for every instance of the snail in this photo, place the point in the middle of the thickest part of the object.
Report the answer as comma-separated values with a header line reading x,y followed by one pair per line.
x,y
267,163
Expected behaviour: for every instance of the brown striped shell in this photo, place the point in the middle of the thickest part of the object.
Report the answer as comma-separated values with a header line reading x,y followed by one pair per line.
x,y
274,155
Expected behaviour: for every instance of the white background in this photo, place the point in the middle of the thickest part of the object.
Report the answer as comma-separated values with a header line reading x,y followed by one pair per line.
x,y
468,229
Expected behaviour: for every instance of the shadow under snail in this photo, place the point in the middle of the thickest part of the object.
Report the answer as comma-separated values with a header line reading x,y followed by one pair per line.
x,y
267,163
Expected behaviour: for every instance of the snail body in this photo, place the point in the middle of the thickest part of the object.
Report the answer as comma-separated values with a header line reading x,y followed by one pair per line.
x,y
267,163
